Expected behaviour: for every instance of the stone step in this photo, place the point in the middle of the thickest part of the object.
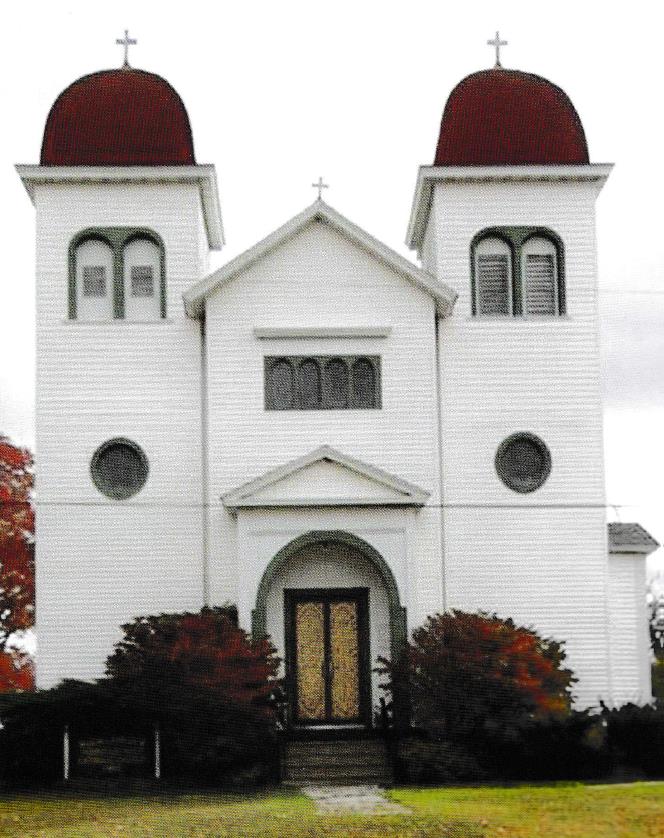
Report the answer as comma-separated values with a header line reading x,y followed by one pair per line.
x,y
360,761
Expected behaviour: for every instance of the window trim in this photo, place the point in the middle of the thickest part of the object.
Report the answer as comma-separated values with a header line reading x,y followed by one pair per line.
x,y
516,237
117,238
295,361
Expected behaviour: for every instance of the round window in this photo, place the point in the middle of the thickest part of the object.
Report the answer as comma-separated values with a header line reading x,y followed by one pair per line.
x,y
523,462
119,468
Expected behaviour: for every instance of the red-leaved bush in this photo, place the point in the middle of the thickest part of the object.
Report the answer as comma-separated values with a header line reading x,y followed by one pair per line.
x,y
203,651
468,674
210,687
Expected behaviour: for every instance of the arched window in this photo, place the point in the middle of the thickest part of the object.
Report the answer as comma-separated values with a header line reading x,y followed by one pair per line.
x,y
336,384
493,277
310,385
116,272
94,287
142,279
280,391
363,378
539,276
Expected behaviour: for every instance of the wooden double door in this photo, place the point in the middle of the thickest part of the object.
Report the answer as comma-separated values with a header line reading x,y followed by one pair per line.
x,y
327,656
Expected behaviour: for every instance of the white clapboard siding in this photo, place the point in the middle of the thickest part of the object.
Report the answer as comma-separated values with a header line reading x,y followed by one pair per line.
x,y
541,557
101,562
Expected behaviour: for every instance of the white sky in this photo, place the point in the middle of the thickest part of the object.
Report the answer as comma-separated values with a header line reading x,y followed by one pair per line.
x,y
279,93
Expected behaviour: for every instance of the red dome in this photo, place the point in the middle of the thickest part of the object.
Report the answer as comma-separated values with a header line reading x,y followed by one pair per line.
x,y
508,118
118,118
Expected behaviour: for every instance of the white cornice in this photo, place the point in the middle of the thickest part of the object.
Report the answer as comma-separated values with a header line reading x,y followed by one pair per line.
x,y
204,175
319,211
428,176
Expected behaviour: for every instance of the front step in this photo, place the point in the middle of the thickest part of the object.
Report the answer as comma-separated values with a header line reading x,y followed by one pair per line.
x,y
346,762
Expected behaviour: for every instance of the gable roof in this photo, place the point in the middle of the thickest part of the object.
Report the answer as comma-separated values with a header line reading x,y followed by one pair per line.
x,y
319,211
630,538
378,487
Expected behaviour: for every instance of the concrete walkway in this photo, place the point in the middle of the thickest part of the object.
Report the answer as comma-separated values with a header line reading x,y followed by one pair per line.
x,y
358,800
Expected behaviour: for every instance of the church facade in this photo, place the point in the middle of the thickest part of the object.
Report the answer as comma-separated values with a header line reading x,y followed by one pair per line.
x,y
332,437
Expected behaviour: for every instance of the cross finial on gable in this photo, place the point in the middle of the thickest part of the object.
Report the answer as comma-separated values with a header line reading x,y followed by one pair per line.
x,y
126,42
320,186
497,43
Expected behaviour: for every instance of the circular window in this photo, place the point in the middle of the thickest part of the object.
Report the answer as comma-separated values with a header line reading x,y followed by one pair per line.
x,y
119,468
523,462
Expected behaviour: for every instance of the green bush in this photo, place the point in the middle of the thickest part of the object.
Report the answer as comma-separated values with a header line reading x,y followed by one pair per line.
x,y
658,681
635,739
423,761
572,747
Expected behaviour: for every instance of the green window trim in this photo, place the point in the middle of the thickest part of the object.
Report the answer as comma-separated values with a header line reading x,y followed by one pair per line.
x,y
321,363
515,238
397,612
117,238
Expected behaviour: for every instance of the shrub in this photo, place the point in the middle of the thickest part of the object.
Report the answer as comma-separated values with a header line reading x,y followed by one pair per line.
x,y
477,684
471,674
423,761
198,676
571,747
31,740
635,738
658,681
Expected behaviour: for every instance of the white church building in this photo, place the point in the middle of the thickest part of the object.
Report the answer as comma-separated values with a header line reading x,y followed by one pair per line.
x,y
334,438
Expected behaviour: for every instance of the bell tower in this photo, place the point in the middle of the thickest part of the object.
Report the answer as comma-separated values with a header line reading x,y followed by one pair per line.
x,y
506,217
125,220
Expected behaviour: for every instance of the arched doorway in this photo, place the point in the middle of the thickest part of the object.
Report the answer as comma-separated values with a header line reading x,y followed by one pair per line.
x,y
331,605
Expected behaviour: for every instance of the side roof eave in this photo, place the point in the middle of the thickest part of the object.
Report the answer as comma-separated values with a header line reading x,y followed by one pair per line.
x,y
443,295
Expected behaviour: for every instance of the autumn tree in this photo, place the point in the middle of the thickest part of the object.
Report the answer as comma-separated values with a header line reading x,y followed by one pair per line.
x,y
17,567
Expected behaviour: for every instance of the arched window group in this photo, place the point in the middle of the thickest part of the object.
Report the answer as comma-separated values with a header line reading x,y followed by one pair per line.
x,y
322,382
117,273
517,271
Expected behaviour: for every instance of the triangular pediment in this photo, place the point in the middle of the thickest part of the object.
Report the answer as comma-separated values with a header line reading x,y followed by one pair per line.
x,y
320,213
325,477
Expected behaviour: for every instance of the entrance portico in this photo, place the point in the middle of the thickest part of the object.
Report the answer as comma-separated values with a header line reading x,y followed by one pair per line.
x,y
328,597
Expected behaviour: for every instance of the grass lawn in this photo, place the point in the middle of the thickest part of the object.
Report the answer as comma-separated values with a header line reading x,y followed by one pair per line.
x,y
562,811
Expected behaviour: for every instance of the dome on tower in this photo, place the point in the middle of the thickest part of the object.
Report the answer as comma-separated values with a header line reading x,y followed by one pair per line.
x,y
504,117
121,117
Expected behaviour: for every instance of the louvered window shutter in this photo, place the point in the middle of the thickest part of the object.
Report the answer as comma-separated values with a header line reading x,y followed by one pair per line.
x,y
540,284
493,274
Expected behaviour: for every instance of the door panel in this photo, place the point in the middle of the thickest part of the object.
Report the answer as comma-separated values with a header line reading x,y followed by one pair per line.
x,y
344,660
327,656
310,656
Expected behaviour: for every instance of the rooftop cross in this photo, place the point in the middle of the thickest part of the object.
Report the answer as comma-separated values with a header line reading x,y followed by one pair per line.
x,y
497,43
320,186
126,42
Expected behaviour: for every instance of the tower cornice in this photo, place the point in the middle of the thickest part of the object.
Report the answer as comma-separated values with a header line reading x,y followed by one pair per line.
x,y
204,175
429,176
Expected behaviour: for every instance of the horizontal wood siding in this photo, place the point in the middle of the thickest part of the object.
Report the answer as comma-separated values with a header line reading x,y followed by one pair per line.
x,y
630,641
101,562
540,557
